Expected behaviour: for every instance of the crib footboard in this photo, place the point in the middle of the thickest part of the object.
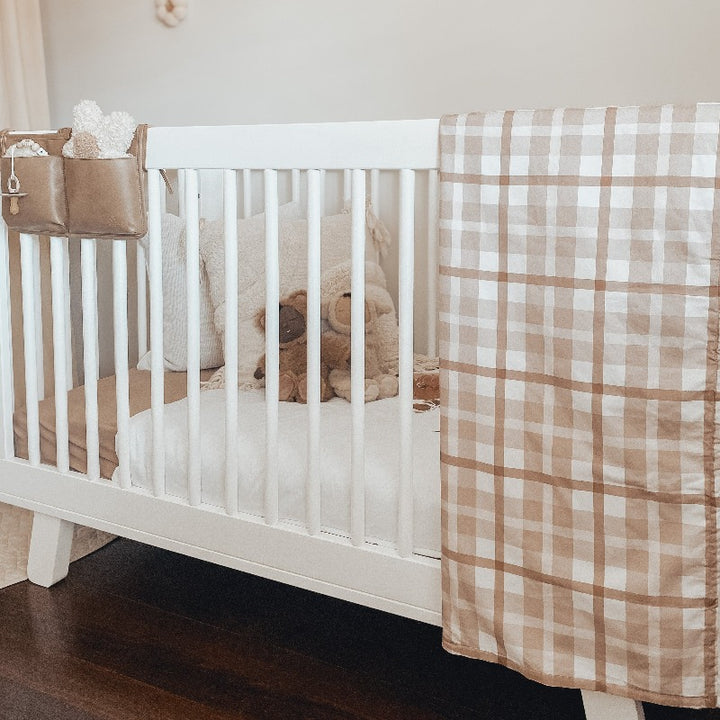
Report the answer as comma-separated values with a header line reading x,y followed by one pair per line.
x,y
124,301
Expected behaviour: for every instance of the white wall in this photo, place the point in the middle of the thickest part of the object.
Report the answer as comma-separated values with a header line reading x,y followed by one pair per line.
x,y
248,61
251,61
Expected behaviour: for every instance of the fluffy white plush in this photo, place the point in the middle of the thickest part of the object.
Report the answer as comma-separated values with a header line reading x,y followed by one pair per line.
x,y
175,291
335,233
113,133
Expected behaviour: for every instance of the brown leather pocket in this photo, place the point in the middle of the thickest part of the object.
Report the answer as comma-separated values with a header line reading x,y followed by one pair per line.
x,y
104,198
43,210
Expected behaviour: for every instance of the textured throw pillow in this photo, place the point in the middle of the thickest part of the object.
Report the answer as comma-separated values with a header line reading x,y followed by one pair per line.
x,y
336,238
175,303
175,291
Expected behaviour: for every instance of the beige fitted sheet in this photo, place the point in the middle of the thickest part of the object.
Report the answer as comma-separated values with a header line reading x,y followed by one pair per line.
x,y
139,381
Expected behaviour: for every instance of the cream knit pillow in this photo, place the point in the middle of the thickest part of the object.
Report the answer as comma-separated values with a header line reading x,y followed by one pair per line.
x,y
336,232
175,292
175,303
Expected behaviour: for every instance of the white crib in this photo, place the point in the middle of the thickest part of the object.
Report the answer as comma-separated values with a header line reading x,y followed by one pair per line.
x,y
395,579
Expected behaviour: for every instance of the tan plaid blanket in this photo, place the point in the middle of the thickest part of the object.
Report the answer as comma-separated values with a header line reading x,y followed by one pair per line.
x,y
579,364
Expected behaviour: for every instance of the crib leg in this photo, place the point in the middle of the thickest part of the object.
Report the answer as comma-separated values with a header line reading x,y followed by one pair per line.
x,y
601,706
50,546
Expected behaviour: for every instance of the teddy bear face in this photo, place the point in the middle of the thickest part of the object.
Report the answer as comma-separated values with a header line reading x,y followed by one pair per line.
x,y
339,312
292,318
292,326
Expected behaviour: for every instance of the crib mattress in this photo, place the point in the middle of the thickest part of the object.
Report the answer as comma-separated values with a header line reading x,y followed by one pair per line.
x,y
382,441
381,454
139,381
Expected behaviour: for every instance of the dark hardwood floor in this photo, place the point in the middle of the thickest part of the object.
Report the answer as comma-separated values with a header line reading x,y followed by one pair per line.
x,y
139,633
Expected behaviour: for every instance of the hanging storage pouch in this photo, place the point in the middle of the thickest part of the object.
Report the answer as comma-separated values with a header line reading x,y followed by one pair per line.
x,y
106,197
50,194
37,183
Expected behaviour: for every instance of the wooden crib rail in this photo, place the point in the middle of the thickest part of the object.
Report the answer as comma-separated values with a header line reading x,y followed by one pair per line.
x,y
390,145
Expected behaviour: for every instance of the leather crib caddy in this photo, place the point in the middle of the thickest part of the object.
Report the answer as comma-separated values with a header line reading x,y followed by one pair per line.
x,y
74,197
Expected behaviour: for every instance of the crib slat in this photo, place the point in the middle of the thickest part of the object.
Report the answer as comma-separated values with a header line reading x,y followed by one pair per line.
x,y
7,394
357,370
157,391
247,193
68,318
312,488
231,341
347,188
272,297
90,354
29,299
181,193
375,199
432,245
141,301
60,342
122,382
39,342
295,180
322,193
406,242
192,265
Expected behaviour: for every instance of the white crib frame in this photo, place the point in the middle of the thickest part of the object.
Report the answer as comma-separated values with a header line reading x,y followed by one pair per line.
x,y
393,580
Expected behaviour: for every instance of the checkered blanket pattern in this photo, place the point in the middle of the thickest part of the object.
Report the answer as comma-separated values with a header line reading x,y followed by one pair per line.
x,y
579,367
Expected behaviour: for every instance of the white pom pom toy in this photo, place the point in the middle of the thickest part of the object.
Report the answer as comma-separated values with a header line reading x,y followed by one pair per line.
x,y
99,136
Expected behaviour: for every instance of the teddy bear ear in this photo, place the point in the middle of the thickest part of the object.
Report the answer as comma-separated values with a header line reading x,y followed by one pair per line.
x,y
298,300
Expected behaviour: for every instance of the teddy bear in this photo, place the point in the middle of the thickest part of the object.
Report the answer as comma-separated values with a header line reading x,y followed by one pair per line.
x,y
95,135
337,279
336,311
426,389
334,351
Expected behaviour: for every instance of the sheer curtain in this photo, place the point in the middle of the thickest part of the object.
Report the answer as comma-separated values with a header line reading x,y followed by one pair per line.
x,y
24,106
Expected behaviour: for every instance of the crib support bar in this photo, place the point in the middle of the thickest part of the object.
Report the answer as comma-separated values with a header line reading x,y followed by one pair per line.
x,y
357,349
157,392
272,322
58,275
29,299
312,489
231,340
7,395
405,333
88,260
122,382
192,266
